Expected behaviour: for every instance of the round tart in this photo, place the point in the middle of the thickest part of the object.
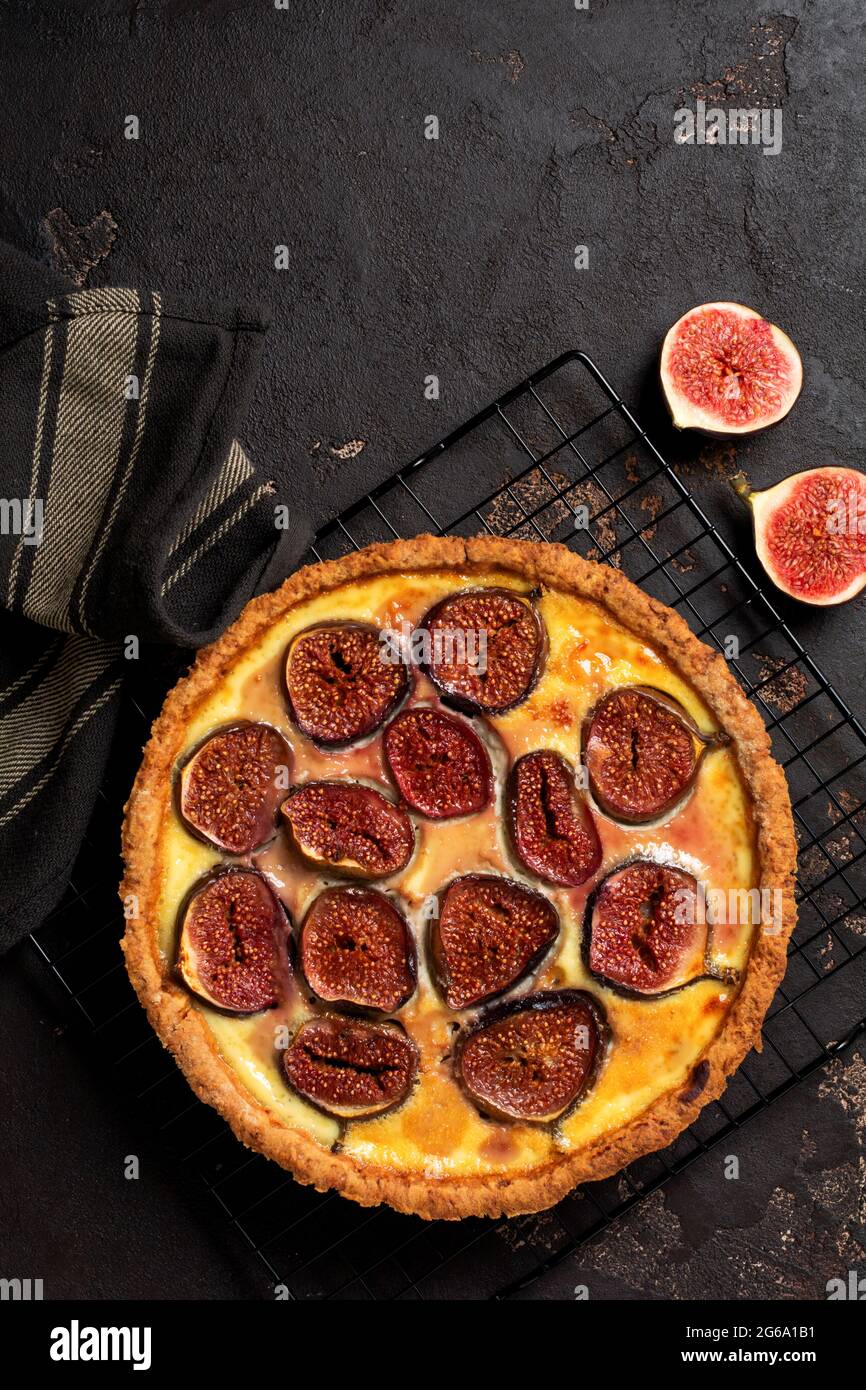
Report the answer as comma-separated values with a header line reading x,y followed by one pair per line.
x,y
458,872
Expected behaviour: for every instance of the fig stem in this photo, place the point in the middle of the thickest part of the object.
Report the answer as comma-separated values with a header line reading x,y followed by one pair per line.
x,y
742,487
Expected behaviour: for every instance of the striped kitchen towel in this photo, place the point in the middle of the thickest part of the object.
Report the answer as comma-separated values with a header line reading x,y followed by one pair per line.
x,y
129,514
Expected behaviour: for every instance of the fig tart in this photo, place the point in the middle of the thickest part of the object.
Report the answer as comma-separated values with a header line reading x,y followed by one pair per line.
x,y
458,872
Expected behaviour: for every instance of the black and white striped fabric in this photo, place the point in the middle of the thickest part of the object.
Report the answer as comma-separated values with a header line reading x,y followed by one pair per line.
x,y
129,514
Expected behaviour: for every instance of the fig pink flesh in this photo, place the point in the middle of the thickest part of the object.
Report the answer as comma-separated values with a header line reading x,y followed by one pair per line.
x,y
811,534
726,370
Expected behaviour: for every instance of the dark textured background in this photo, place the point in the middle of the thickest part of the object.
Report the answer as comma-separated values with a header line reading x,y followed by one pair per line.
x,y
408,257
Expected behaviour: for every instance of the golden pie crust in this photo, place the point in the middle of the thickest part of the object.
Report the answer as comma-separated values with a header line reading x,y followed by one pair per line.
x,y
181,1025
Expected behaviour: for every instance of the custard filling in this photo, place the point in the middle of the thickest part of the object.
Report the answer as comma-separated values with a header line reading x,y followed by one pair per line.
x,y
653,1042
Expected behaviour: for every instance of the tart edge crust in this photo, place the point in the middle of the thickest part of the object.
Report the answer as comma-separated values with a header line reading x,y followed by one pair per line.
x,y
181,1028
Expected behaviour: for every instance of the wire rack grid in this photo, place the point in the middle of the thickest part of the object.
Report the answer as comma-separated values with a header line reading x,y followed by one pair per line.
x,y
558,457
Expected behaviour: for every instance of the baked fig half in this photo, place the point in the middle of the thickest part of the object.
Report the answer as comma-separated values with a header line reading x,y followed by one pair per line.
x,y
552,830
726,371
646,933
535,1058
490,933
439,765
351,1068
349,828
810,533
228,790
356,949
641,751
485,649
233,949
342,682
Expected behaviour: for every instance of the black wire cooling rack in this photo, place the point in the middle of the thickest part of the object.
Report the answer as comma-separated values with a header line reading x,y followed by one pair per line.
x,y
558,457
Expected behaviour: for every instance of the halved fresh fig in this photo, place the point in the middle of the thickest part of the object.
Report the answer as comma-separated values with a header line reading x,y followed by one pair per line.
x,y
356,949
349,1068
228,790
233,942
490,933
646,932
810,532
342,682
439,764
533,1059
552,829
349,827
485,649
727,371
641,752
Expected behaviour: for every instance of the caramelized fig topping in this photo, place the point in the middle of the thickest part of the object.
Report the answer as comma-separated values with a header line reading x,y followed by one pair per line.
x,y
640,754
552,829
342,682
440,766
486,649
533,1059
350,1068
350,827
228,792
233,942
357,949
489,934
645,935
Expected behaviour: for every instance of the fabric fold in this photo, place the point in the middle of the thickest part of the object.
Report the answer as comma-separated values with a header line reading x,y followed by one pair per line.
x,y
130,514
